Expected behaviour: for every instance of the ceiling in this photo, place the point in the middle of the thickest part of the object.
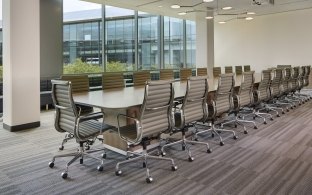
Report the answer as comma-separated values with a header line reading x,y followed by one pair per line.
x,y
240,7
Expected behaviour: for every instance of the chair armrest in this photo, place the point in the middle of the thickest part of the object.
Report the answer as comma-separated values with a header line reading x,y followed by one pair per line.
x,y
236,102
138,129
92,116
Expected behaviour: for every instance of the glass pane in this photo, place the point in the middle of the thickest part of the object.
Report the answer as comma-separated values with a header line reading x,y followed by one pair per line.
x,y
173,42
190,44
148,42
120,39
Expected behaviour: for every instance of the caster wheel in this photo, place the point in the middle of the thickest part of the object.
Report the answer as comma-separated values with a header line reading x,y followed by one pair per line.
x,y
51,164
87,147
183,148
81,161
196,139
209,150
292,107
144,165
149,180
174,168
61,148
64,175
100,168
163,153
265,122
255,127
271,119
118,172
103,155
212,135
283,112
235,137
191,159
245,132
235,126
287,110
221,143
278,115
254,118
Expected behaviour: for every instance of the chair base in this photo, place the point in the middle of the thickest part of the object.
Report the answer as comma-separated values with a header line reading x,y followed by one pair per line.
x,y
238,121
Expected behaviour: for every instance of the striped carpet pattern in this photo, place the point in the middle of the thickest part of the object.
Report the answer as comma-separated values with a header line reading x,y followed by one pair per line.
x,y
274,159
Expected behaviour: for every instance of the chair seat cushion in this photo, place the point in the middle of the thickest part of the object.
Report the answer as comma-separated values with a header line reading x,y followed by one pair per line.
x,y
91,128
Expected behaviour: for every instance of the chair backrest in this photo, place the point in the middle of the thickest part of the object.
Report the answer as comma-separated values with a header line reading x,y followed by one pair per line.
x,y
202,72
264,85
275,87
216,71
283,66
228,69
238,70
66,112
286,81
307,75
156,110
166,74
194,107
245,91
302,74
295,79
185,73
223,96
79,83
112,80
140,78
247,68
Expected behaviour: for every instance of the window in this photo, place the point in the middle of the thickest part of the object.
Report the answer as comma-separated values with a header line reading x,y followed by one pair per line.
x,y
190,44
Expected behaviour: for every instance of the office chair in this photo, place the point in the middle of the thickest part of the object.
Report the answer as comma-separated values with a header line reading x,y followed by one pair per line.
x,y
140,78
185,73
221,103
79,83
304,81
244,98
155,118
112,80
246,68
193,110
201,72
166,74
238,70
228,69
69,119
216,71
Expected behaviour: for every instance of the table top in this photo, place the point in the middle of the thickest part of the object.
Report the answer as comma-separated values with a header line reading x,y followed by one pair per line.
x,y
133,96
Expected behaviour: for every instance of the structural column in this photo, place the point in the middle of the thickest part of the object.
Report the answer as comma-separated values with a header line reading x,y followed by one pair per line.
x,y
23,54
205,42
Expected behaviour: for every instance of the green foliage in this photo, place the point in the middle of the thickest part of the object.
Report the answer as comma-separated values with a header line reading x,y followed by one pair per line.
x,y
78,67
115,67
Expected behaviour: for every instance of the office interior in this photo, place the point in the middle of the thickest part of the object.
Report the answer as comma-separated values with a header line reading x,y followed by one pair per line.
x,y
273,159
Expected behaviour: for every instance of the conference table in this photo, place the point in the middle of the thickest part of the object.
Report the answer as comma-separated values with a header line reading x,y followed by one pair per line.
x,y
127,101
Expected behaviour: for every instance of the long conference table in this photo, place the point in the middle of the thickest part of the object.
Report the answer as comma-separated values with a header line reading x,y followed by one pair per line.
x,y
127,101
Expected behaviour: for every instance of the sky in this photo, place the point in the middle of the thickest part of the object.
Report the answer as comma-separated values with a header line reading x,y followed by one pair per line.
x,y
70,5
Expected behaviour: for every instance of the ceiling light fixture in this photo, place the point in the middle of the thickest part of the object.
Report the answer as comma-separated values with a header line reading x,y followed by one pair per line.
x,y
249,18
160,6
209,17
222,22
207,1
182,13
227,8
251,13
175,6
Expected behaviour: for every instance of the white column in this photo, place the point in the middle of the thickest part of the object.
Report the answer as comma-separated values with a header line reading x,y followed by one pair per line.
x,y
205,42
21,64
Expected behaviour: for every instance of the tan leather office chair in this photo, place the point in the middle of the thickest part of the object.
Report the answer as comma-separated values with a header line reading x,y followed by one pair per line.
x,y
155,118
238,70
140,78
68,119
193,109
244,98
201,72
216,71
222,102
185,73
112,80
166,74
247,68
79,83
228,69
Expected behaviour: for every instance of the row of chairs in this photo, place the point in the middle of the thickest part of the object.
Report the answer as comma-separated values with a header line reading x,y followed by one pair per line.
x,y
159,115
229,69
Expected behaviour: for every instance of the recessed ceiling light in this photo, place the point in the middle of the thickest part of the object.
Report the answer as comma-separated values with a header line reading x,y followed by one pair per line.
x,y
226,8
222,22
182,13
207,1
249,18
209,17
175,6
251,13
160,6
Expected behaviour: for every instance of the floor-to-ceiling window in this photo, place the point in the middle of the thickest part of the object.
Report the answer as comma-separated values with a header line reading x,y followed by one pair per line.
x,y
148,41
120,39
173,43
190,44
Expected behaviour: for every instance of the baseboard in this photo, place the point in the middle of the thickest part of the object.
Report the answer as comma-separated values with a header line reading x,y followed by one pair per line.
x,y
21,127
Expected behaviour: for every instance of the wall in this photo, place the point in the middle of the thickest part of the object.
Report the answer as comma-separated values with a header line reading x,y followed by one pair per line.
x,y
284,38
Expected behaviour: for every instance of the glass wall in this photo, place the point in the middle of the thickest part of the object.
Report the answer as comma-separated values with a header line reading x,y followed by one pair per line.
x,y
173,43
120,39
190,44
148,41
